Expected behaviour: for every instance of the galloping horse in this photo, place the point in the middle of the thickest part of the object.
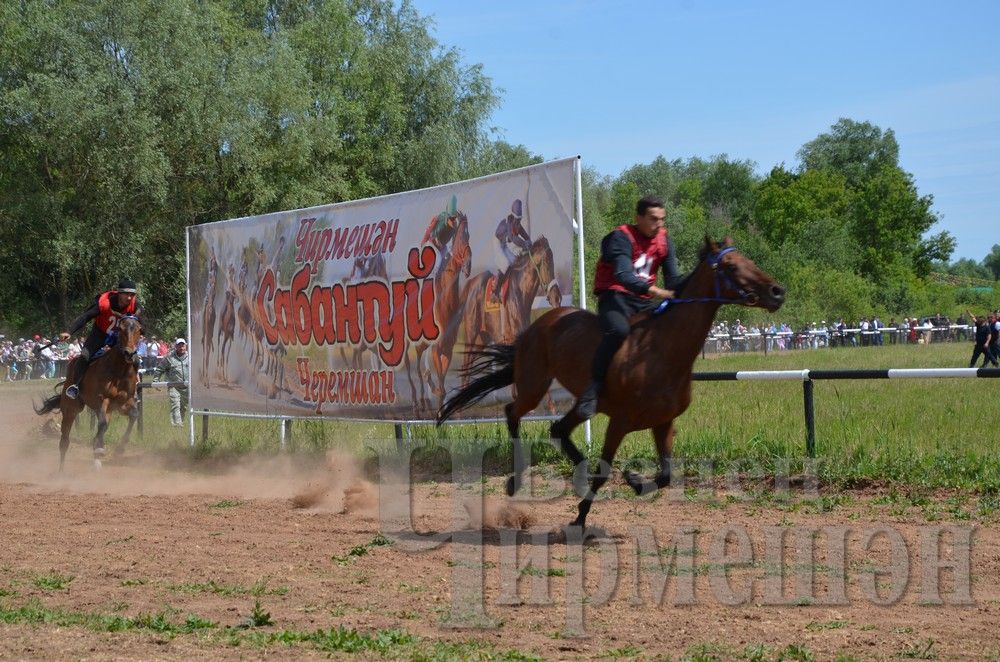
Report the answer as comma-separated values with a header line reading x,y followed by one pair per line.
x,y
227,323
446,304
108,386
531,271
648,383
208,328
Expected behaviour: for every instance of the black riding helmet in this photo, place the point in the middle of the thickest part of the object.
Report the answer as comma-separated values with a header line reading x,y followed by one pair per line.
x,y
126,285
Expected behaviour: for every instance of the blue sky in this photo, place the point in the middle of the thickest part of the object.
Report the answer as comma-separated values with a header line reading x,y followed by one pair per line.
x,y
622,82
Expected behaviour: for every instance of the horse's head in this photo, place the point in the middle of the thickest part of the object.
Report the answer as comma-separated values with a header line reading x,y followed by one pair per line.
x,y
738,279
544,267
129,330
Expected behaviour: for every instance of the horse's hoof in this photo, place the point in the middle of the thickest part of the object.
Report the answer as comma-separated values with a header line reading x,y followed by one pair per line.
x,y
513,485
635,481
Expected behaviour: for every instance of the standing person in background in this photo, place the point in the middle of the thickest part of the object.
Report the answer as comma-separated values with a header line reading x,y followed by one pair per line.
x,y
983,342
176,366
995,339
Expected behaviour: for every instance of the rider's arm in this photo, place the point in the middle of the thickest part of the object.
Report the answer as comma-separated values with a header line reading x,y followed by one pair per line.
x,y
672,278
617,250
501,231
82,320
521,238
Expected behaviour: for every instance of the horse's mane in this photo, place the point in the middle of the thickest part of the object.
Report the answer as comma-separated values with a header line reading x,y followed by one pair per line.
x,y
526,255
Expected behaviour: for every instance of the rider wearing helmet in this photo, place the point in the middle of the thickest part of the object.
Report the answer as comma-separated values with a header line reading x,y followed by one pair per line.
x,y
510,231
441,230
105,311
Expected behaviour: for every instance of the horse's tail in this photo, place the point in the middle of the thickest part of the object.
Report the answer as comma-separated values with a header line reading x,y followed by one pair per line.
x,y
491,368
51,403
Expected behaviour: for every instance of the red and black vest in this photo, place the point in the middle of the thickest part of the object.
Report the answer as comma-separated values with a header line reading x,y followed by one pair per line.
x,y
106,320
648,253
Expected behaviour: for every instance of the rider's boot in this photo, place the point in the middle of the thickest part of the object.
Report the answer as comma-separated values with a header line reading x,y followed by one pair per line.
x,y
73,390
586,406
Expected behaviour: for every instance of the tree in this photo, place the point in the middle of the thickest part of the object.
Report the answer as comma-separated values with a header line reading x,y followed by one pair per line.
x,y
856,150
890,218
123,123
787,204
992,261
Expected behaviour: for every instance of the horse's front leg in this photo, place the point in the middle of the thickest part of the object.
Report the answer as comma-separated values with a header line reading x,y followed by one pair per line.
x,y
103,418
663,438
133,416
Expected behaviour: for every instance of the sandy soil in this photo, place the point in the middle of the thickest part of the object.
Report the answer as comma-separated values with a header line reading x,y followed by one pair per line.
x,y
141,539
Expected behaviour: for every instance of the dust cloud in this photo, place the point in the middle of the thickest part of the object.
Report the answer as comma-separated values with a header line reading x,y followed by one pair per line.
x,y
29,454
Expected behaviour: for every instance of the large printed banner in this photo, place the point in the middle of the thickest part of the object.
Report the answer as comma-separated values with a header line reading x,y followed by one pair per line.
x,y
362,310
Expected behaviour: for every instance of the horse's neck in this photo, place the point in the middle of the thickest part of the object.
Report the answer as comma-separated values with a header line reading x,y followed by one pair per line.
x,y
688,325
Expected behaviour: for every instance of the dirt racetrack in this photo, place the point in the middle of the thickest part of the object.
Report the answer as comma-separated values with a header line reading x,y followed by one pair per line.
x,y
274,560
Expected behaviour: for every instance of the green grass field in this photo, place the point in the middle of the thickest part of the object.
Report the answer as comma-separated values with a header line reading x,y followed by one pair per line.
x,y
934,433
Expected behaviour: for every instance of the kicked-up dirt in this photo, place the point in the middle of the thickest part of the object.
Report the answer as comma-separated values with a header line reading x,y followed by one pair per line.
x,y
145,560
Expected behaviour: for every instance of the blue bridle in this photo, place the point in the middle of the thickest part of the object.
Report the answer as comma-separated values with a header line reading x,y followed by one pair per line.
x,y
721,279
111,339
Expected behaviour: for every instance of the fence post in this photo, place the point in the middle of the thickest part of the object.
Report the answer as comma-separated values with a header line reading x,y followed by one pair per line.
x,y
807,397
398,427
204,426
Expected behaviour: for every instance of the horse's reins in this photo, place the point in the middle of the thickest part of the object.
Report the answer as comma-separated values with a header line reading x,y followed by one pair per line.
x,y
112,338
721,278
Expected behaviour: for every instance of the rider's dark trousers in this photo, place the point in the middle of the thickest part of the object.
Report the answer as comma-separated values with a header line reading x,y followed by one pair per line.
x,y
613,312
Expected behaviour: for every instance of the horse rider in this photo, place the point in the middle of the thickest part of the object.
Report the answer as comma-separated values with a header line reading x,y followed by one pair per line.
x,y
441,230
510,231
106,309
625,283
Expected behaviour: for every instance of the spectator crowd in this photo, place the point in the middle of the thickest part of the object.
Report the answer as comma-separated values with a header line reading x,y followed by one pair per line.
x,y
779,336
44,358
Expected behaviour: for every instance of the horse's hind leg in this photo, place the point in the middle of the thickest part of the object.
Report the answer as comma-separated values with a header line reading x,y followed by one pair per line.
x,y
528,395
663,437
68,416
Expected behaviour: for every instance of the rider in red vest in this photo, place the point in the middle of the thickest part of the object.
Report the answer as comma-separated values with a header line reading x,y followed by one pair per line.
x,y
104,312
625,284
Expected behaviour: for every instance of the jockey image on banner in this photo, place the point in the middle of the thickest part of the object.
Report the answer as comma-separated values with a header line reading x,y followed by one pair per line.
x,y
441,230
513,240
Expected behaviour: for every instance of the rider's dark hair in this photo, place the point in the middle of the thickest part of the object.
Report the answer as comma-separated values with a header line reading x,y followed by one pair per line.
x,y
646,202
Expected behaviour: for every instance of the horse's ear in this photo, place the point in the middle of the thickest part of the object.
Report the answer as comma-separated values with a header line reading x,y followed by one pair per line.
x,y
728,241
710,245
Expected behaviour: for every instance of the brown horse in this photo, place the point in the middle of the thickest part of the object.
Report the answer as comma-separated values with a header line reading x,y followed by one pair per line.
x,y
532,270
108,386
447,302
648,384
227,324
208,330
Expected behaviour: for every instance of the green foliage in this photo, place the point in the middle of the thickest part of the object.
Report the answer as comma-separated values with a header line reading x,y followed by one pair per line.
x,y
992,261
126,122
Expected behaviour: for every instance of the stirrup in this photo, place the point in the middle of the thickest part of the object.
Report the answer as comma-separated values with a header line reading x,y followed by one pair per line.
x,y
73,392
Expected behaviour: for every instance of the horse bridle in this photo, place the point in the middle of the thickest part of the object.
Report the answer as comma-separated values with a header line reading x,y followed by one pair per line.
x,y
721,280
538,272
121,347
